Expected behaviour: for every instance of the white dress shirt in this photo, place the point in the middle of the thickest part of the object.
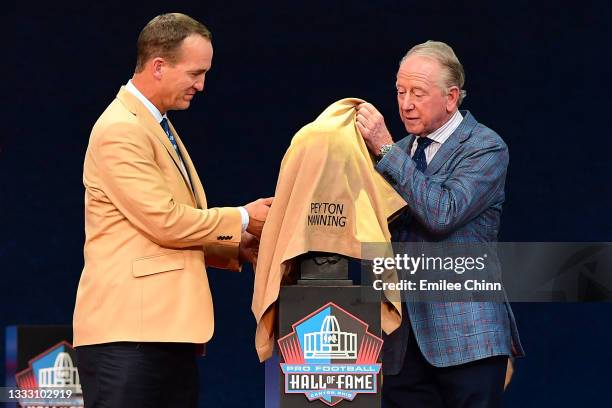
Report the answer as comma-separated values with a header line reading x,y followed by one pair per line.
x,y
438,136
131,88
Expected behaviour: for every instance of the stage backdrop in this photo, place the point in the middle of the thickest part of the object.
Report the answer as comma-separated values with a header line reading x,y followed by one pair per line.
x,y
535,73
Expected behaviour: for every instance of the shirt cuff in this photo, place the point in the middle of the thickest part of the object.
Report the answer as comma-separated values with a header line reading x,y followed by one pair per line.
x,y
245,218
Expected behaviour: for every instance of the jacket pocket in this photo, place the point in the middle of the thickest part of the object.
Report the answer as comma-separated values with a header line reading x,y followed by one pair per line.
x,y
150,265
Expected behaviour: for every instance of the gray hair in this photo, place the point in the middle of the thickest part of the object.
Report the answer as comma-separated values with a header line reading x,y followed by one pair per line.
x,y
452,70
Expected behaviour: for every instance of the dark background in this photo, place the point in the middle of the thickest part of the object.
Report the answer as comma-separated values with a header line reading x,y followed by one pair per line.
x,y
537,73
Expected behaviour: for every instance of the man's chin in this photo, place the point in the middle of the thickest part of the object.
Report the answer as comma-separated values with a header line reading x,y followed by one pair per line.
x,y
411,125
413,130
182,105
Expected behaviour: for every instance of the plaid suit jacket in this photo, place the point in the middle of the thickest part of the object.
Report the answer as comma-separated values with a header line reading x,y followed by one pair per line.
x,y
458,199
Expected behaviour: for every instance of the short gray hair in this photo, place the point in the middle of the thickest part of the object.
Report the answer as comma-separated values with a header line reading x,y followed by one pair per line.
x,y
452,70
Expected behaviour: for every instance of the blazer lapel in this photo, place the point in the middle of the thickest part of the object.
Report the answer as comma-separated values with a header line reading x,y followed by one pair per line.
x,y
449,147
198,189
147,119
442,155
410,141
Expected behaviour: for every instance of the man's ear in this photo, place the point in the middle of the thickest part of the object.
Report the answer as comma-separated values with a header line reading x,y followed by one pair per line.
x,y
452,98
157,65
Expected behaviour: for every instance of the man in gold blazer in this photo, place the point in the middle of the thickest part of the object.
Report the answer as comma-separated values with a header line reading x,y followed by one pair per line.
x,y
143,302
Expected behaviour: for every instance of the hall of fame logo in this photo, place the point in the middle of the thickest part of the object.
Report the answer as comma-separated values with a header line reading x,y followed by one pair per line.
x,y
330,356
51,380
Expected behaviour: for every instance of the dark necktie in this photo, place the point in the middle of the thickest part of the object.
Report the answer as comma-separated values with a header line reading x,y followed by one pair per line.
x,y
166,127
419,154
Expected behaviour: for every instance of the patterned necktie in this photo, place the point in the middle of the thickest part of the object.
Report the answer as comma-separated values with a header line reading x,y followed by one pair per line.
x,y
166,127
419,155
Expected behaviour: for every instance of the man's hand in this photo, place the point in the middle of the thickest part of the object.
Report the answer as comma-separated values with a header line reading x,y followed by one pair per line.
x,y
248,248
258,212
371,124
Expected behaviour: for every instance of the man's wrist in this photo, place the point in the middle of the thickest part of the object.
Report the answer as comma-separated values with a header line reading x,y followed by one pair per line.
x,y
383,150
244,215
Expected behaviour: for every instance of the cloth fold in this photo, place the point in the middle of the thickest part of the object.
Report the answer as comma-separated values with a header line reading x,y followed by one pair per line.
x,y
328,198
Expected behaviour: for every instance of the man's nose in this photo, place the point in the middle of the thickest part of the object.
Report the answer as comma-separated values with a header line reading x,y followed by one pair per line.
x,y
199,85
406,103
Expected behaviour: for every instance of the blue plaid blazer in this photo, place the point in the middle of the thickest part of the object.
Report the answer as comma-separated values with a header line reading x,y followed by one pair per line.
x,y
458,199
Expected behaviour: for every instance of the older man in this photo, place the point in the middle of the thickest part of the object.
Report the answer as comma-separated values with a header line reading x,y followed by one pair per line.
x,y
451,171
143,302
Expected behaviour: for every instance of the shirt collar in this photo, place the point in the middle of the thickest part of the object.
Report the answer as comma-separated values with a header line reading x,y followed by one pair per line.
x,y
441,134
147,103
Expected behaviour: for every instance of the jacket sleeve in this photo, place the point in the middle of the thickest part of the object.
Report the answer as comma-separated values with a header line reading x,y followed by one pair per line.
x,y
443,206
133,181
